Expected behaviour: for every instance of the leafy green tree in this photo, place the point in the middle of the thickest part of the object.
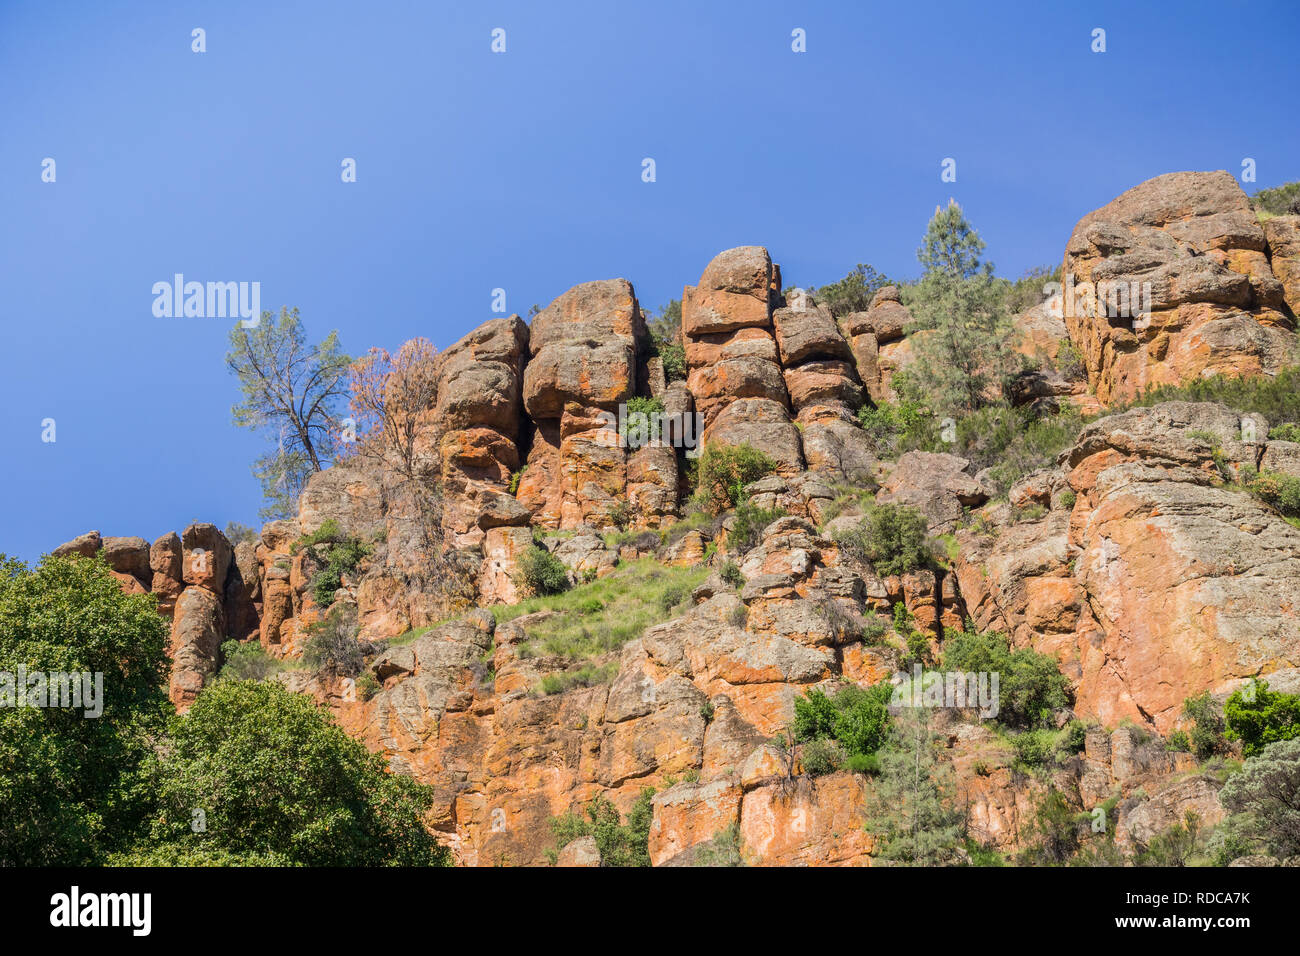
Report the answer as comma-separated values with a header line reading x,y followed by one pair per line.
x,y
1258,717
857,719
854,292
967,350
67,780
276,777
291,391
912,815
1265,800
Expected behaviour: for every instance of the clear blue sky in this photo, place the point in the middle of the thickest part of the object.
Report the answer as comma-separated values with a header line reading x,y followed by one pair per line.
x,y
523,171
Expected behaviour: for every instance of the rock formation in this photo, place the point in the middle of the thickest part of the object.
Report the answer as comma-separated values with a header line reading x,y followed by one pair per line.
x,y
1133,561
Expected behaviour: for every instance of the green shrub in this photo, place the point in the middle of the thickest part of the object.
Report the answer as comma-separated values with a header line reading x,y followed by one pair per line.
x,y
1279,201
619,843
1287,431
722,850
237,533
1070,364
730,573
747,527
1207,736
247,661
1280,491
724,470
891,537
1277,398
540,573
822,756
1030,685
855,720
1178,742
1268,716
854,292
895,428
328,532
1035,749
332,649
1264,798
342,558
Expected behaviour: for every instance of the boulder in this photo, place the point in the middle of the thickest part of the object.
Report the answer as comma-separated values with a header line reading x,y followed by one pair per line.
x,y
1171,281
86,545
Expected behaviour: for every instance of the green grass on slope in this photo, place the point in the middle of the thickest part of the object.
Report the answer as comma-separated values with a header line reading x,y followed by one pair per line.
x,y
596,618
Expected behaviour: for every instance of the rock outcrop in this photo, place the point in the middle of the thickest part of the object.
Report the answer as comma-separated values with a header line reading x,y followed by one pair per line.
x,y
1135,560
1172,281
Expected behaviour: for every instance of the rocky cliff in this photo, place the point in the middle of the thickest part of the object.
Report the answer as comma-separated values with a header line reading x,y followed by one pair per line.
x,y
1132,560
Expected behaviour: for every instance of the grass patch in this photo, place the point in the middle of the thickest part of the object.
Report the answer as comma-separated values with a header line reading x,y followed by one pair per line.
x,y
596,618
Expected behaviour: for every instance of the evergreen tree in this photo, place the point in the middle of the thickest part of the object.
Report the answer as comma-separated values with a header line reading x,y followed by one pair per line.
x,y
913,818
967,347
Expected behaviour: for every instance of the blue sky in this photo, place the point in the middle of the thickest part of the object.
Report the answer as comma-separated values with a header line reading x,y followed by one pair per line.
x,y
522,171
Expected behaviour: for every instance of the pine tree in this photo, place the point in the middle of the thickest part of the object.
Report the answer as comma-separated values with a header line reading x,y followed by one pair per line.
x,y
913,817
966,348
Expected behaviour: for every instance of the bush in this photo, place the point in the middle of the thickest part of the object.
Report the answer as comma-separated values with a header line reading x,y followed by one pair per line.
x,y
1279,201
1287,431
1034,749
541,573
344,555
724,470
332,649
237,533
1178,742
1277,398
328,532
247,661
854,292
1206,738
1030,685
822,756
891,537
747,527
730,574
1265,800
894,429
1267,717
856,720
275,775
1280,491
619,843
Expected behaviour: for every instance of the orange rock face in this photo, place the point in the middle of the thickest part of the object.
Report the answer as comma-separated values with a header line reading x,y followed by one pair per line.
x,y
1171,281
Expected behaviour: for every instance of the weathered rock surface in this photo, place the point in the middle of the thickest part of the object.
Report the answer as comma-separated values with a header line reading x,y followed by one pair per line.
x,y
1191,241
